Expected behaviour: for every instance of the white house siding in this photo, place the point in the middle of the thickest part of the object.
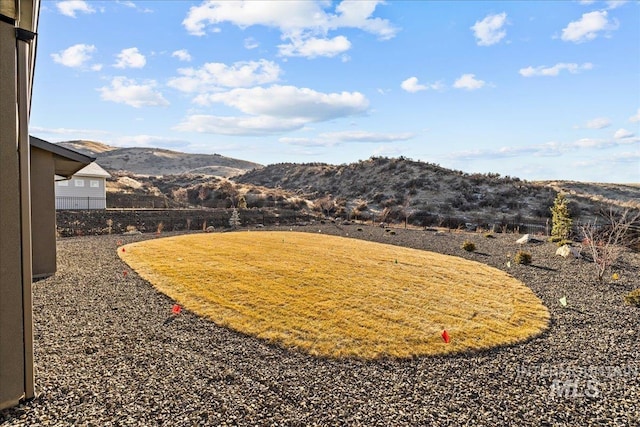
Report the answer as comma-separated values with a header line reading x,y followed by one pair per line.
x,y
82,191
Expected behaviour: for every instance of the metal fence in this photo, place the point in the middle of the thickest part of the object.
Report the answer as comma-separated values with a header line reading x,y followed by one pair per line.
x,y
80,203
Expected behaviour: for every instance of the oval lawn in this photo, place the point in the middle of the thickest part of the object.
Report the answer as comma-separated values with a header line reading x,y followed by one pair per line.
x,y
340,297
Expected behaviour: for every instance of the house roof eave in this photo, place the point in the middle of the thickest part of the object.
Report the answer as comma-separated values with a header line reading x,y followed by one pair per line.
x,y
66,162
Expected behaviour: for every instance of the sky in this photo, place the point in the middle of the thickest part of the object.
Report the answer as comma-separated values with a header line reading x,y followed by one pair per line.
x,y
539,90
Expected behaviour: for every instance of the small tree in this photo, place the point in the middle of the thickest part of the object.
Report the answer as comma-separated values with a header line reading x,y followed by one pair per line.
x,y
605,243
242,202
234,221
561,221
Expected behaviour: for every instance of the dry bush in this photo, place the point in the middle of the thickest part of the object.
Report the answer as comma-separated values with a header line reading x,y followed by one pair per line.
x,y
468,246
605,243
522,257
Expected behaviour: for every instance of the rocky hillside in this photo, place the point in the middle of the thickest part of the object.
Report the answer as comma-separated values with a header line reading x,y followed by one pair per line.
x,y
425,193
623,195
380,189
156,161
395,188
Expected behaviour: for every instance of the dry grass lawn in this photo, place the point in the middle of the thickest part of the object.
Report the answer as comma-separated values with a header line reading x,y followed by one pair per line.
x,y
340,297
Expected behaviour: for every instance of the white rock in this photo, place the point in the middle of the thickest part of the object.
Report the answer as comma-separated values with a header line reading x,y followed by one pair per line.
x,y
564,251
524,239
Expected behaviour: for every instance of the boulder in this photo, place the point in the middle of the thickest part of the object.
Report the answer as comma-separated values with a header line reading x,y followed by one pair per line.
x,y
210,229
524,239
566,251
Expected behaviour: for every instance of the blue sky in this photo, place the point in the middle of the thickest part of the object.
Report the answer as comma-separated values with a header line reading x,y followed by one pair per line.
x,y
537,90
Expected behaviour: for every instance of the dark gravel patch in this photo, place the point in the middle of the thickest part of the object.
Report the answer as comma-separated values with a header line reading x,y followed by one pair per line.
x,y
106,355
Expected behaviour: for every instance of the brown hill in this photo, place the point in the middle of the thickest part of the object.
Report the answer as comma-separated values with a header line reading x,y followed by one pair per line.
x,y
384,189
425,193
156,161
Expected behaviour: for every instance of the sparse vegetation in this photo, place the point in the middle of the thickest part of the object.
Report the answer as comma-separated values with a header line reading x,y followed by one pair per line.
x,y
522,257
468,246
605,242
633,298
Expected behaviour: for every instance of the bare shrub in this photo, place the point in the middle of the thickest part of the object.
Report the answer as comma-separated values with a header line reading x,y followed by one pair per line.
x,y
605,243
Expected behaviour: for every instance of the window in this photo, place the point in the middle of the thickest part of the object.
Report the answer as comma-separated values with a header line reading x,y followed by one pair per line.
x,y
94,183
64,183
79,182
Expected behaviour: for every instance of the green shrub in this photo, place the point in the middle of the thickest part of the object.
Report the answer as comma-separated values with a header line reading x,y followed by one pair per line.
x,y
555,239
489,235
564,242
393,233
633,298
468,246
561,221
522,257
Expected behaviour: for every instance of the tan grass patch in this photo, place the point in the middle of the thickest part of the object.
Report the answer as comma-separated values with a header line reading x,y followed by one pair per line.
x,y
340,297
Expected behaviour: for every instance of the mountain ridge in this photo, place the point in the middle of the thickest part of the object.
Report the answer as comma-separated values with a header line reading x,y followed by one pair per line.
x,y
159,161
393,189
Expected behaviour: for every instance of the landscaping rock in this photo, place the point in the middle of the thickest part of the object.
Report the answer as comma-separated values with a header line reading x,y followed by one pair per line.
x,y
566,250
104,355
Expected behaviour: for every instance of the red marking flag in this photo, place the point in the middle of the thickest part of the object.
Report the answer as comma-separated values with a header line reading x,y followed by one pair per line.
x,y
123,250
445,336
124,273
176,309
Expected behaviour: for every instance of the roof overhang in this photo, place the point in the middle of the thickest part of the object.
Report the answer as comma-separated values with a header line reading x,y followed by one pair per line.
x,y
66,162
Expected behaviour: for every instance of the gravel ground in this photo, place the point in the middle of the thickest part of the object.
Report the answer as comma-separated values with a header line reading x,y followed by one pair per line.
x,y
106,354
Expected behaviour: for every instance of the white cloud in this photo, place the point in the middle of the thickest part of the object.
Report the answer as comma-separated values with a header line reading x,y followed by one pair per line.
x,y
304,24
127,91
586,2
182,55
628,157
127,3
148,141
70,7
250,43
614,4
214,76
313,47
542,70
622,133
75,56
636,117
329,139
587,27
239,126
364,136
411,85
290,17
130,58
132,5
292,102
598,123
468,82
65,131
549,149
490,30
274,110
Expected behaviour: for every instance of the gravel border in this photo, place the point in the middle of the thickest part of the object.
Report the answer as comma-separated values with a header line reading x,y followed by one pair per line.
x,y
107,355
